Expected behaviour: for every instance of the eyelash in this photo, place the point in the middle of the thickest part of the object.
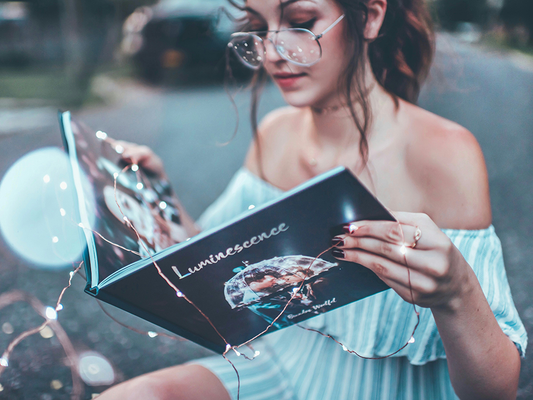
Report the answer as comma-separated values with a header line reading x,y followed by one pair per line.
x,y
305,25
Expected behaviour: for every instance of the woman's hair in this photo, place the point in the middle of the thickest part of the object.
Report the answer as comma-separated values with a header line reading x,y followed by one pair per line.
x,y
400,58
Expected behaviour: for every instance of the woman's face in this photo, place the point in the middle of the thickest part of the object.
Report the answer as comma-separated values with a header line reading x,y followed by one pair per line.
x,y
316,85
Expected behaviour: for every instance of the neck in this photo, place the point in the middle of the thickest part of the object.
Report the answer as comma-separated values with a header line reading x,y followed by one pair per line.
x,y
333,125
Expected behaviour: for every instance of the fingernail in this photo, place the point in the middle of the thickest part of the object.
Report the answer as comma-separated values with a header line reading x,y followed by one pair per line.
x,y
350,228
337,241
338,253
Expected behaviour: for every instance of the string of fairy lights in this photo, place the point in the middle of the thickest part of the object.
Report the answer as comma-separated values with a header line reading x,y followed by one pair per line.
x,y
50,314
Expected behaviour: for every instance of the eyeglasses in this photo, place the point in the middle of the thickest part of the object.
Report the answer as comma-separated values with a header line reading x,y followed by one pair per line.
x,y
297,45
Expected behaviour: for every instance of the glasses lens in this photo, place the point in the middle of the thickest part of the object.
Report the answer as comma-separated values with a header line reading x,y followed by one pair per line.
x,y
298,46
249,49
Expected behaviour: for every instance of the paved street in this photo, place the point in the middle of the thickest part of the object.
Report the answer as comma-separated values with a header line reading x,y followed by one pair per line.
x,y
488,92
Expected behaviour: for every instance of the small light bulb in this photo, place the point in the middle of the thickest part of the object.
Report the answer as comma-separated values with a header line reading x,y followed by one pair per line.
x,y
180,294
81,225
101,135
4,362
71,274
187,239
63,185
251,206
403,249
62,212
115,175
163,205
295,290
140,186
119,149
353,228
50,313
412,340
134,167
345,348
55,239
125,218
59,306
257,353
228,347
237,352
46,178
152,334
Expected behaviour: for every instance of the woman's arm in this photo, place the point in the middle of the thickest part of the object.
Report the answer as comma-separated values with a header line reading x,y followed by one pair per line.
x,y
482,361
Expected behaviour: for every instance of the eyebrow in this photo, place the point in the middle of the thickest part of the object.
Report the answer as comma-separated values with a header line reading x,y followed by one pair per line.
x,y
281,6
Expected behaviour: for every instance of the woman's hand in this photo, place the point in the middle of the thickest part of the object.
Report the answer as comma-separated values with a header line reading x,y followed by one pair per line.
x,y
439,275
141,155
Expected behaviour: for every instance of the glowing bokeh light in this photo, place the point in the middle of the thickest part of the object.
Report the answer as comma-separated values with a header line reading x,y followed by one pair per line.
x,y
95,369
50,313
29,217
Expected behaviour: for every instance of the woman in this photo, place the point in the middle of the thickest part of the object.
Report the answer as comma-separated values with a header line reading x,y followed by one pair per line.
x,y
353,106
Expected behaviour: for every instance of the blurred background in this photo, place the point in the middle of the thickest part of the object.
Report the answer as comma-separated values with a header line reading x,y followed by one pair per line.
x,y
153,73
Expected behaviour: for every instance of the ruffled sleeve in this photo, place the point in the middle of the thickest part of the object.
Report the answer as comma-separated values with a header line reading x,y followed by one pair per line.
x,y
244,191
381,324
483,251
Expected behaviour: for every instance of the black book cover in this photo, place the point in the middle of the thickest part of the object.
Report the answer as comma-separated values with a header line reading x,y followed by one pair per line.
x,y
240,275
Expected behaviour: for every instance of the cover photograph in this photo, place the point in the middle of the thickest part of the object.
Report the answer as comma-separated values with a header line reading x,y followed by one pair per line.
x,y
240,275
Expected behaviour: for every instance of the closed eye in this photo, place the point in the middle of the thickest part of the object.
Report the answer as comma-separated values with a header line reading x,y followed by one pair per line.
x,y
305,25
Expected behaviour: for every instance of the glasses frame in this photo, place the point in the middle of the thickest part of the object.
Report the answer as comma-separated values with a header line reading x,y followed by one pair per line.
x,y
255,35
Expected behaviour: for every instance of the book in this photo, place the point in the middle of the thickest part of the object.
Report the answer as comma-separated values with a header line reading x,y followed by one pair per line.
x,y
241,275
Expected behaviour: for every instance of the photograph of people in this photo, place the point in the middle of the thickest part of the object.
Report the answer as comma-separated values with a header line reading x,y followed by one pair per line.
x,y
267,287
155,233
350,72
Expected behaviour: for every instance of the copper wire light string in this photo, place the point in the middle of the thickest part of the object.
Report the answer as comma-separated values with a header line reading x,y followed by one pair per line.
x,y
16,296
234,348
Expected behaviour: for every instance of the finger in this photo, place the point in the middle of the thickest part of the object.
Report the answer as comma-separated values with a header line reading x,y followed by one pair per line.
x,y
425,262
392,273
389,231
392,251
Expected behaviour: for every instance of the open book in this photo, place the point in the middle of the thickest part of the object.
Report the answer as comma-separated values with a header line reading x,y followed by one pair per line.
x,y
240,276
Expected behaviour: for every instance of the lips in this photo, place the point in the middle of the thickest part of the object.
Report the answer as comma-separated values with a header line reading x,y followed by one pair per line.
x,y
287,79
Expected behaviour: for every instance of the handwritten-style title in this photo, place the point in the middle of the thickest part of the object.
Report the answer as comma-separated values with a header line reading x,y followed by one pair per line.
x,y
231,251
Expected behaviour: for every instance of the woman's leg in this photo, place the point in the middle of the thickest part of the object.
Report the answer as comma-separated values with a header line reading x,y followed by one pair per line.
x,y
182,382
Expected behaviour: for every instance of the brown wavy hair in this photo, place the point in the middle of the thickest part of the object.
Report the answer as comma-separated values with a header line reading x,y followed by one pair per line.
x,y
400,58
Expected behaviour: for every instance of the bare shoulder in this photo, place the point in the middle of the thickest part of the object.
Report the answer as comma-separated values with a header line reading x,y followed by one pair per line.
x,y
272,134
447,164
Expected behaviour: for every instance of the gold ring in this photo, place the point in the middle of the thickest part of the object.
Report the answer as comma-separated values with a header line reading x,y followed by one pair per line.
x,y
418,235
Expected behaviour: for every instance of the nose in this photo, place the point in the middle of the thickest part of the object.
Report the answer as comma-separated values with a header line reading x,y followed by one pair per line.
x,y
272,55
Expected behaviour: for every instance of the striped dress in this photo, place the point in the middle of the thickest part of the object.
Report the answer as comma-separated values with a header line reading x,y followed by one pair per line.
x,y
296,364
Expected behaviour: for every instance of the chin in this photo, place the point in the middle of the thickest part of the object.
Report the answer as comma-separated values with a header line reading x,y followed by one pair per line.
x,y
300,98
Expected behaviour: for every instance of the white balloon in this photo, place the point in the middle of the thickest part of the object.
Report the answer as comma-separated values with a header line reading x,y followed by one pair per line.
x,y
38,209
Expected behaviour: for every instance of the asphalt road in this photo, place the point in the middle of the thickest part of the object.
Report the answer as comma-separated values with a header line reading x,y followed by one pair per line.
x,y
488,92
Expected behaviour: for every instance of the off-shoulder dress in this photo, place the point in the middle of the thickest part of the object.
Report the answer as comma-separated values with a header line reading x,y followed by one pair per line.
x,y
296,364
